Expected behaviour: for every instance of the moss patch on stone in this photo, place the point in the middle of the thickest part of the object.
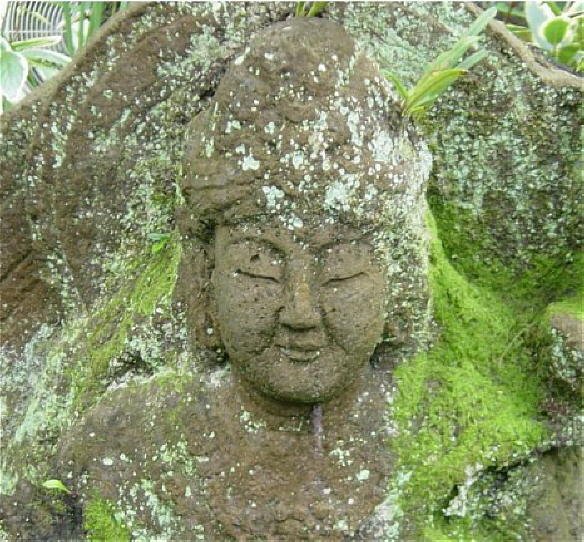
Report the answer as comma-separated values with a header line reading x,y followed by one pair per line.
x,y
114,321
468,404
573,305
469,247
101,524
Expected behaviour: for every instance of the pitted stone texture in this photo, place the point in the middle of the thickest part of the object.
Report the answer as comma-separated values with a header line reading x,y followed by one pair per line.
x,y
567,351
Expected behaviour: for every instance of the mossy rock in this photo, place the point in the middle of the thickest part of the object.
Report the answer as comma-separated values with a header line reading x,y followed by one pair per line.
x,y
88,174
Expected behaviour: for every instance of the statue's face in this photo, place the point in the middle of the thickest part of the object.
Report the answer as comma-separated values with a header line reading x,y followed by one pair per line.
x,y
299,313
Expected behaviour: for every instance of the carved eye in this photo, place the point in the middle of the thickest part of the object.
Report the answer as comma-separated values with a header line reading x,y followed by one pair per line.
x,y
258,274
259,263
344,278
345,263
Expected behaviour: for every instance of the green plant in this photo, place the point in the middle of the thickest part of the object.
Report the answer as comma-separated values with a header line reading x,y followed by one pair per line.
x,y
19,58
309,9
555,27
82,19
56,485
443,71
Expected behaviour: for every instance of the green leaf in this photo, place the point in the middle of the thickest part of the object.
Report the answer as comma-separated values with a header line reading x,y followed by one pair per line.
x,y
555,30
81,26
481,22
13,72
556,10
299,12
448,59
95,17
521,32
537,13
45,58
506,9
316,8
568,55
68,26
473,59
45,41
56,484
424,95
399,86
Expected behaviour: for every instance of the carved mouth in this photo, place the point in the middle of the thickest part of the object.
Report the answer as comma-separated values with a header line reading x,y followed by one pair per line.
x,y
300,355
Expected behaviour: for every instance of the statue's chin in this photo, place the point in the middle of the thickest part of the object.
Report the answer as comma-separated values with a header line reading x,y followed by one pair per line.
x,y
300,378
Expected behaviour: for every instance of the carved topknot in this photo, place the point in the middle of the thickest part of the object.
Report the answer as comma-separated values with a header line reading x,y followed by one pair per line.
x,y
304,126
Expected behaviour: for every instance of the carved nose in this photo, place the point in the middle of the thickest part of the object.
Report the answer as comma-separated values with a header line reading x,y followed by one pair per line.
x,y
300,312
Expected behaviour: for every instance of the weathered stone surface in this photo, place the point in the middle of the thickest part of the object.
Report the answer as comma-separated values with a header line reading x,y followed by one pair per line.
x,y
100,177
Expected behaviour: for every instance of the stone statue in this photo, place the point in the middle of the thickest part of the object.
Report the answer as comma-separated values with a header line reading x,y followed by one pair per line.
x,y
300,182
259,402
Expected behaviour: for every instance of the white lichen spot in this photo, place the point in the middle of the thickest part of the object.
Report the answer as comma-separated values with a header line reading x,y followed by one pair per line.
x,y
382,146
250,163
273,195
363,475
107,461
298,159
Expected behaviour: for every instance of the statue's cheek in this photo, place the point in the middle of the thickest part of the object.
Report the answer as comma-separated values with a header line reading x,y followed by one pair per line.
x,y
247,311
354,313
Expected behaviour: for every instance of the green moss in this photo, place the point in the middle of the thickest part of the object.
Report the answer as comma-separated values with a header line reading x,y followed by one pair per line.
x,y
573,305
101,524
471,248
113,322
469,403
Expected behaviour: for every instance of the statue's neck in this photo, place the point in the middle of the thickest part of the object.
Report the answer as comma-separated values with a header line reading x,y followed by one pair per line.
x,y
283,416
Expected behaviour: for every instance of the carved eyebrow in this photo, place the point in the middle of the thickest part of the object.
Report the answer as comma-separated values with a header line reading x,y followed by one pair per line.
x,y
271,242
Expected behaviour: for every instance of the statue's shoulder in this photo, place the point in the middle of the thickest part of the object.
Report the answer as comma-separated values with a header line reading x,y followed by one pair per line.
x,y
132,429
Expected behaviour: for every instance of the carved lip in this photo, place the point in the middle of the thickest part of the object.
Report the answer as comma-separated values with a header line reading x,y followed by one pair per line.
x,y
300,355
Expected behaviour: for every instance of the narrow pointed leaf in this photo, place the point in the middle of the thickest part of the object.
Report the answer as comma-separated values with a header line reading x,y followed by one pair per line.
x,y
425,94
45,41
316,8
45,58
449,59
521,32
481,22
95,17
399,86
68,27
473,59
